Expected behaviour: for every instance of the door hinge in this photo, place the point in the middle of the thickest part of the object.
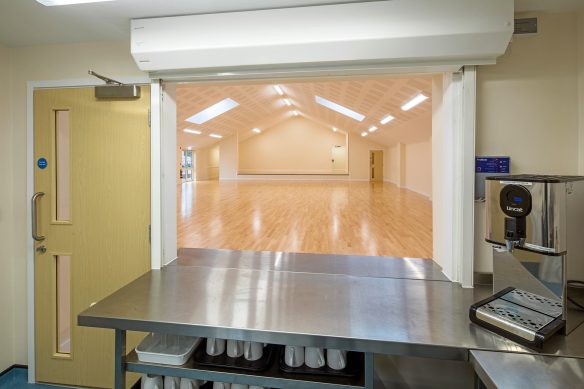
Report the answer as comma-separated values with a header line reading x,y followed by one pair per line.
x,y
149,118
149,233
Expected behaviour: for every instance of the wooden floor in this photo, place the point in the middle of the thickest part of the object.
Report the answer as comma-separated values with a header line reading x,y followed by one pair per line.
x,y
358,218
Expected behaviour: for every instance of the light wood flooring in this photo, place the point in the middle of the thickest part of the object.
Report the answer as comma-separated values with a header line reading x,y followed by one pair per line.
x,y
359,218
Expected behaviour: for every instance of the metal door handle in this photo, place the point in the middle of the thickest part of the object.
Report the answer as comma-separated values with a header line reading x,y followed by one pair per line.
x,y
33,205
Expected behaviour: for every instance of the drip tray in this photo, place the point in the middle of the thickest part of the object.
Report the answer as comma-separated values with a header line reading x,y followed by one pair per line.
x,y
521,316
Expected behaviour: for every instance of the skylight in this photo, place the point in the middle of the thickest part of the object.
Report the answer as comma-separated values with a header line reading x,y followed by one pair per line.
x,y
213,111
339,108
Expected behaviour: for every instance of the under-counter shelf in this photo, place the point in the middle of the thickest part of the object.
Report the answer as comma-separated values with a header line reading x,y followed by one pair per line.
x,y
273,377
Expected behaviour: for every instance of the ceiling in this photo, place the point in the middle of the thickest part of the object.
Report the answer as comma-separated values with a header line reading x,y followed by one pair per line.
x,y
26,22
262,107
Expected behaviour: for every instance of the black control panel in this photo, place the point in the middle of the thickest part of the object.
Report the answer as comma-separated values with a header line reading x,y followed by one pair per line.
x,y
515,201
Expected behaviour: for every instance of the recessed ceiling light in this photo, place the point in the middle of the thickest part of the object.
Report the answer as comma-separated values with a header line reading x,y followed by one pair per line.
x,y
386,119
295,113
364,133
413,102
279,90
372,128
216,136
257,130
213,111
192,131
51,3
339,108
287,102
335,129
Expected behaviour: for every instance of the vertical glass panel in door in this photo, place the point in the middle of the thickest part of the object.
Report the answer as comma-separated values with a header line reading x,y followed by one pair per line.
x,y
63,314
62,166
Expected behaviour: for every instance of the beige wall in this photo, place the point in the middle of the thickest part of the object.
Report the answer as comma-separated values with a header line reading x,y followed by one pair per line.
x,y
7,217
207,163
359,148
418,172
294,146
56,62
228,158
527,107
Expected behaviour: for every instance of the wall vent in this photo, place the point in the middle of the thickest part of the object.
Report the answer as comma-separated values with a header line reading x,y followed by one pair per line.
x,y
525,26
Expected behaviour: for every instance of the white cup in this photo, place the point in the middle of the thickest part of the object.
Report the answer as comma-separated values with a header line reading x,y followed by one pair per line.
x,y
215,346
294,356
150,381
314,357
252,351
335,359
221,385
239,386
234,348
172,383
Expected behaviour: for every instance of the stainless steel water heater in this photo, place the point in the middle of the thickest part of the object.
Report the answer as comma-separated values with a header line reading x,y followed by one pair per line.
x,y
536,226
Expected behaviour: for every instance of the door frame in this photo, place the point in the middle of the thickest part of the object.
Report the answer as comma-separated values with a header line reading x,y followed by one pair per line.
x,y
31,86
455,255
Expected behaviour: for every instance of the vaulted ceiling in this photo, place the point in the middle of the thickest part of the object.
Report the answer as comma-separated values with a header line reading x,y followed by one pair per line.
x,y
260,106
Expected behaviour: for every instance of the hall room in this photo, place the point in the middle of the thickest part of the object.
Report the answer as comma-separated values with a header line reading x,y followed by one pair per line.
x,y
334,166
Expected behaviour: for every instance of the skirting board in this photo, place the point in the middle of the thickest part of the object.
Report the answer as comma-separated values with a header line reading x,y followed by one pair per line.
x,y
292,178
10,368
410,189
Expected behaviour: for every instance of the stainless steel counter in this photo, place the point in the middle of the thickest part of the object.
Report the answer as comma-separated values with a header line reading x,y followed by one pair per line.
x,y
352,265
380,315
522,371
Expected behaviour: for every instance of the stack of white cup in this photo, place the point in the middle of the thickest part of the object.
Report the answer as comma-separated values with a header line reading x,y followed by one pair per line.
x,y
252,351
314,357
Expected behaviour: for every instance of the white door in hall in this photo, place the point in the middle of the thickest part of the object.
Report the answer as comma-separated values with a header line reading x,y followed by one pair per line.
x,y
91,213
376,165
339,159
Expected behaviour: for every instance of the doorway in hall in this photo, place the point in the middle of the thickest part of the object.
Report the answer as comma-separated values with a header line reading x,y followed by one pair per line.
x,y
287,166
376,165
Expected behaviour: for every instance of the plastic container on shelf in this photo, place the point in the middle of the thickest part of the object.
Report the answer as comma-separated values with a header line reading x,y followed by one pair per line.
x,y
166,348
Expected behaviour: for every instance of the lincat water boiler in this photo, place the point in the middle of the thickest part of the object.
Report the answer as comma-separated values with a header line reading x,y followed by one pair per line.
x,y
536,226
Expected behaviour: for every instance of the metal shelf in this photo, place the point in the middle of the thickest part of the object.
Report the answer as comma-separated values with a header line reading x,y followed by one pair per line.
x,y
273,377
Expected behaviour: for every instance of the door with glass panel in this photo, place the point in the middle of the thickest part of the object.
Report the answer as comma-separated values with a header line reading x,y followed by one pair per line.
x,y
91,216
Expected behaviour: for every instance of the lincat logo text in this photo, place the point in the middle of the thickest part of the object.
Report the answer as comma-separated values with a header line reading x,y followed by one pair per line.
x,y
514,209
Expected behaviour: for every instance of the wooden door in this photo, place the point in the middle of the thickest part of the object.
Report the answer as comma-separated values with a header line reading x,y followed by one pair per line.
x,y
376,165
92,164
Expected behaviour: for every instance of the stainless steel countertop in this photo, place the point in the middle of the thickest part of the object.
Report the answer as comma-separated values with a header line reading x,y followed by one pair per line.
x,y
381,315
353,265
522,371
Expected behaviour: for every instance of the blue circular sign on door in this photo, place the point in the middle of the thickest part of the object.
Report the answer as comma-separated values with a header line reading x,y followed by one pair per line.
x,y
42,163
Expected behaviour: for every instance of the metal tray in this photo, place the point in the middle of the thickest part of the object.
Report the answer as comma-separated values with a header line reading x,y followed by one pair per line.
x,y
201,357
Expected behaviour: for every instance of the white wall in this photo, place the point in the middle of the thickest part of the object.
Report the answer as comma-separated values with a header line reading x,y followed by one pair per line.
x,y
527,108
228,156
55,62
169,172
7,217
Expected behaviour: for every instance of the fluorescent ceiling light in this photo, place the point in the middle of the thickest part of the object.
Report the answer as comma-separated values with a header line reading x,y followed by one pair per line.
x,y
413,102
216,136
339,108
190,148
50,3
257,130
213,111
288,103
279,90
192,131
295,113
364,133
386,119
335,129
372,128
